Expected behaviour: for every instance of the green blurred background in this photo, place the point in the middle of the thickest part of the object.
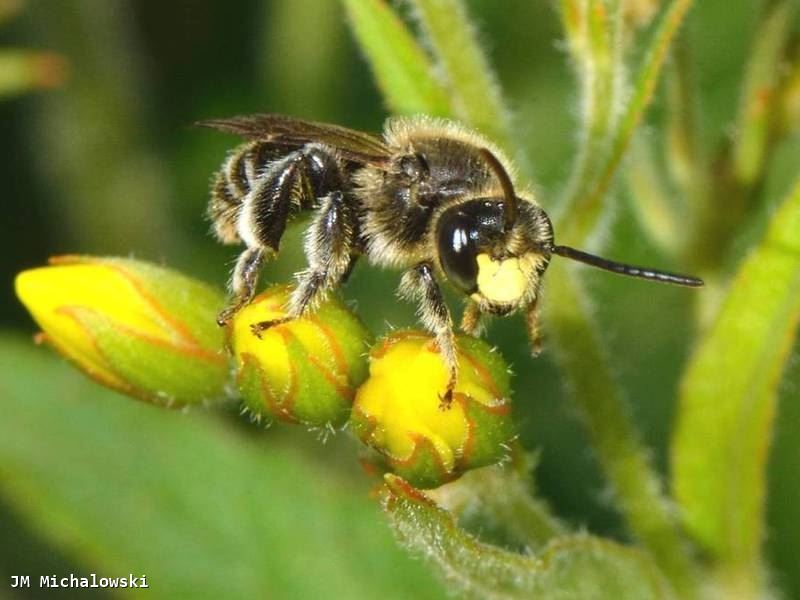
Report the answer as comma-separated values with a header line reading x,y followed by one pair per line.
x,y
108,163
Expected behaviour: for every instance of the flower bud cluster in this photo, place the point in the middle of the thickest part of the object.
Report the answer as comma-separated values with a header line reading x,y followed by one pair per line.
x,y
151,333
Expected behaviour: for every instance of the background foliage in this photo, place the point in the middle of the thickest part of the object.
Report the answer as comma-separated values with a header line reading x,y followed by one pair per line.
x,y
107,164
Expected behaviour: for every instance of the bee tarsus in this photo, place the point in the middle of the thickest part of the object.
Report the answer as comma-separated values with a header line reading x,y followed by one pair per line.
x,y
261,326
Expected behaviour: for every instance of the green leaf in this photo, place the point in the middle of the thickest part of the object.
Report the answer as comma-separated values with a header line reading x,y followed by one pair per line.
x,y
729,394
477,97
403,71
579,567
762,73
202,510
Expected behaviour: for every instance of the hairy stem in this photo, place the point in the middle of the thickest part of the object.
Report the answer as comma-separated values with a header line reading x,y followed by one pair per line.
x,y
476,94
579,214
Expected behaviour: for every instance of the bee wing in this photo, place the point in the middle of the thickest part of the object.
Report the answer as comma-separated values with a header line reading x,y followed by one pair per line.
x,y
353,145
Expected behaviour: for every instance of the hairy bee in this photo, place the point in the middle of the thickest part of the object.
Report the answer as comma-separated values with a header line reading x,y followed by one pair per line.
x,y
428,196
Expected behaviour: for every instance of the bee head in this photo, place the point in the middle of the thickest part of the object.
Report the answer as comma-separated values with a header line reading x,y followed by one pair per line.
x,y
496,262
496,249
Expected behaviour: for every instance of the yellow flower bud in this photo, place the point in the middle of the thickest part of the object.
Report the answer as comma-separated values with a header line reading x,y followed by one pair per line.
x,y
301,371
397,411
141,329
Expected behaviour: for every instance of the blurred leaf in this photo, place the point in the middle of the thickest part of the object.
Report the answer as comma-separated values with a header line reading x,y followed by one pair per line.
x,y
300,77
477,97
651,198
579,567
202,512
728,398
109,186
761,79
23,71
403,71
9,9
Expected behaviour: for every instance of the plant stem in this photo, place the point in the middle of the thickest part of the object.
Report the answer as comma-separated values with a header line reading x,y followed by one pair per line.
x,y
476,94
596,44
638,488
652,198
401,67
580,213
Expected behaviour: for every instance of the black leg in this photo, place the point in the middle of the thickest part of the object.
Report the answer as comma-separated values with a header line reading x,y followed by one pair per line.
x,y
419,284
243,282
330,242
287,185
296,182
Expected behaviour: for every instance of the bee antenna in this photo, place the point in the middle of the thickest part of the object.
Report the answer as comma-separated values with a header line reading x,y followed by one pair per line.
x,y
623,269
509,195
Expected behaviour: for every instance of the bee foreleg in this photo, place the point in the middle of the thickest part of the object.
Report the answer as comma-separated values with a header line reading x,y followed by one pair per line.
x,y
472,321
419,284
532,325
243,282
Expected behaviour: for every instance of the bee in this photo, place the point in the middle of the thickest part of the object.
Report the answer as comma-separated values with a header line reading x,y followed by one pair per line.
x,y
428,196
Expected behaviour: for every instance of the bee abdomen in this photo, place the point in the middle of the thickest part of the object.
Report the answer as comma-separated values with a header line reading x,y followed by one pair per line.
x,y
228,190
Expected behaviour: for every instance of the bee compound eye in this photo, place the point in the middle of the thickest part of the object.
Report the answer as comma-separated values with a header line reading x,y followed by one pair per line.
x,y
458,251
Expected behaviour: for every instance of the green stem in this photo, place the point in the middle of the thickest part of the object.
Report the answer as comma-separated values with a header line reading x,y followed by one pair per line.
x,y
686,162
580,214
403,71
652,199
599,63
759,91
579,345
476,94
634,481
503,497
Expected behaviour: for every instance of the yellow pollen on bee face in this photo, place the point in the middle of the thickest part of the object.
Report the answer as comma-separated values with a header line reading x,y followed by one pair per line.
x,y
502,281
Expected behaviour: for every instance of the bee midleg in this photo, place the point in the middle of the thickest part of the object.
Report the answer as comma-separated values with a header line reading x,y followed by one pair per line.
x,y
330,243
532,325
420,285
302,180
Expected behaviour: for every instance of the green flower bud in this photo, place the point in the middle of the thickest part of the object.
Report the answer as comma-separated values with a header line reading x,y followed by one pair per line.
x,y
138,328
397,411
301,371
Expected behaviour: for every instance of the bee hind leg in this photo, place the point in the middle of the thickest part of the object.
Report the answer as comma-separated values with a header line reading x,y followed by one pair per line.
x,y
286,186
419,284
330,244
243,282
